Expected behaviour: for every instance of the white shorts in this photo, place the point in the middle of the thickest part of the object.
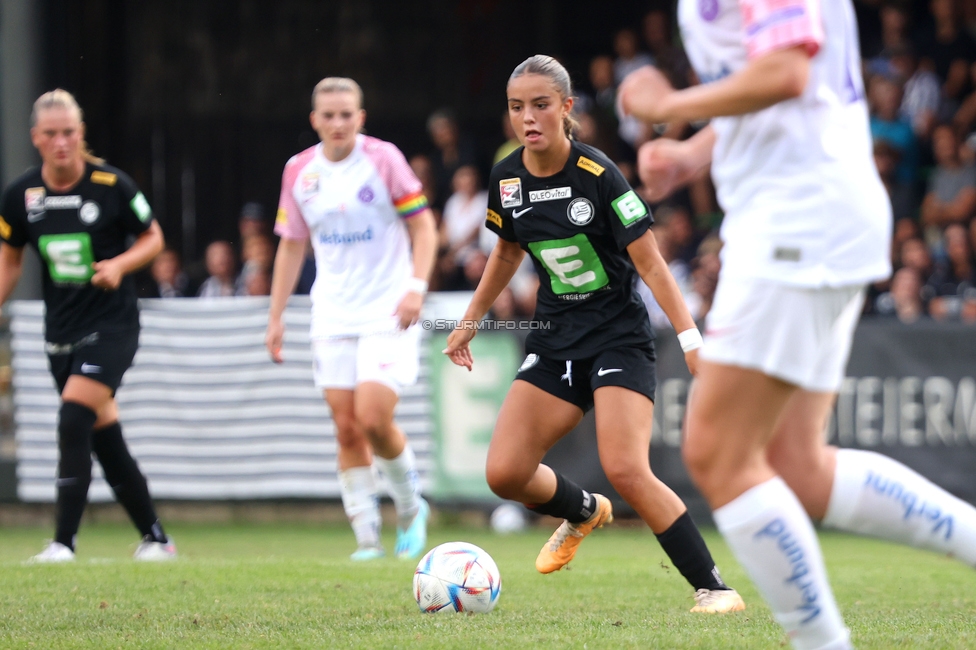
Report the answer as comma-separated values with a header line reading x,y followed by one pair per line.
x,y
388,358
798,334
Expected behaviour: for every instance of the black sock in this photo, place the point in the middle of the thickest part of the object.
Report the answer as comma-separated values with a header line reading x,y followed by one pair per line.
x,y
74,469
689,555
571,502
125,479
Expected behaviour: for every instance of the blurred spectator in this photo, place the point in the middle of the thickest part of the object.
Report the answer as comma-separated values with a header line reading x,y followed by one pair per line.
x,y
965,117
915,254
221,268
511,142
947,50
423,168
464,217
884,97
955,278
258,284
670,58
451,151
951,196
167,273
895,19
901,195
904,230
600,103
904,300
629,58
632,131
252,221
921,92
258,257
704,277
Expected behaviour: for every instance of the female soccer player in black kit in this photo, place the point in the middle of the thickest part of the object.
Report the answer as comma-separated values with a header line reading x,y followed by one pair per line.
x,y
587,231
79,213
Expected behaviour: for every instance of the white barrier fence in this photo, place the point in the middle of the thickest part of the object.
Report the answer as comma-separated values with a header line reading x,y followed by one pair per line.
x,y
204,410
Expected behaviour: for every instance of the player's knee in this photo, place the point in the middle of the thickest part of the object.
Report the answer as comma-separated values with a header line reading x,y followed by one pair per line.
x,y
627,477
699,458
504,482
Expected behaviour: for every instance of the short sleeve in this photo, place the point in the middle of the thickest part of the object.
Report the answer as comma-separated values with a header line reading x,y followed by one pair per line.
x,y
771,25
406,190
12,213
136,214
289,223
496,220
629,216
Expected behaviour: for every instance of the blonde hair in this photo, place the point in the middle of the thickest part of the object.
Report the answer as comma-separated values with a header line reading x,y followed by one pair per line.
x,y
554,71
60,98
338,85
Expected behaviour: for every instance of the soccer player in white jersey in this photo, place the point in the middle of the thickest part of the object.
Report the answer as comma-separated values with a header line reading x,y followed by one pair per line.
x,y
358,201
807,226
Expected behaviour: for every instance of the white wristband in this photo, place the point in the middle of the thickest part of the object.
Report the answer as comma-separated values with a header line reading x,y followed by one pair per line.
x,y
690,339
417,285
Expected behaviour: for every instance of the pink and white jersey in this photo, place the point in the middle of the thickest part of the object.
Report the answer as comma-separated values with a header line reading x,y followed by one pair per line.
x,y
803,202
353,211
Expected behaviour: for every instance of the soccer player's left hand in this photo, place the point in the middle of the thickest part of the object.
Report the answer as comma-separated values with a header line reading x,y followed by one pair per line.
x,y
641,93
691,359
108,275
408,311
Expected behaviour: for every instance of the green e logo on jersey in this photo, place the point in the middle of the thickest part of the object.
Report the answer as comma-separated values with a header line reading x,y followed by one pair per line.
x,y
69,257
573,265
629,207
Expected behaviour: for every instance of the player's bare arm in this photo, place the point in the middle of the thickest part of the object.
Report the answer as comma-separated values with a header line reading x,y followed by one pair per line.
x,y
287,267
423,240
653,270
502,264
11,266
109,273
763,82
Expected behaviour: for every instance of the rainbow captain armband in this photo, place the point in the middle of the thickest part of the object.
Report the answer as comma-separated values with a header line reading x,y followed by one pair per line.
x,y
411,204
690,339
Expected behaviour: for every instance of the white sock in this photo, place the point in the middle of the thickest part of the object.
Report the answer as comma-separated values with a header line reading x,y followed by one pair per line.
x,y
876,495
401,473
360,499
773,539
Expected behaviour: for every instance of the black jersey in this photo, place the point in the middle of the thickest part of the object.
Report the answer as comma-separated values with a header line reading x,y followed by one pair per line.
x,y
576,225
92,221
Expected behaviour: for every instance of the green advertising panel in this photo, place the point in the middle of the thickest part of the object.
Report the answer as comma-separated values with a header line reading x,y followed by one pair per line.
x,y
466,405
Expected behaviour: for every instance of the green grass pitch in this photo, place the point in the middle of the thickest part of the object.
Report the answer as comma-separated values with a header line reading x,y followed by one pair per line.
x,y
292,586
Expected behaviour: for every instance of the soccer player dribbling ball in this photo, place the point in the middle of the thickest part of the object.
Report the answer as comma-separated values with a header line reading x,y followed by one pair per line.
x,y
358,200
78,213
588,233
807,226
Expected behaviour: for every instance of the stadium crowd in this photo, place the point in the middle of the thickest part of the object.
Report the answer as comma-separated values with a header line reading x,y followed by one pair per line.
x,y
920,75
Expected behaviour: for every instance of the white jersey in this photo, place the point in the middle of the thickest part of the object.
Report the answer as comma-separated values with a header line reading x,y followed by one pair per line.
x,y
353,211
803,201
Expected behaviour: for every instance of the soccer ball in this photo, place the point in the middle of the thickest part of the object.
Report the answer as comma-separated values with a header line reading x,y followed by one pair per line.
x,y
457,577
507,518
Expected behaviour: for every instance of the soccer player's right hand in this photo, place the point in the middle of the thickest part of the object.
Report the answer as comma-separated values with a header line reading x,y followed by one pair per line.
x,y
458,349
660,164
273,339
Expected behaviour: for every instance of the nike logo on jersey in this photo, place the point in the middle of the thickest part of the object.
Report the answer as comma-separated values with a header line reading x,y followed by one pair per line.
x,y
601,371
35,216
518,213
90,369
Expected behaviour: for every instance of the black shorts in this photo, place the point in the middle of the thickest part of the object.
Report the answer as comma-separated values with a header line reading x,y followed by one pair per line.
x,y
575,380
101,356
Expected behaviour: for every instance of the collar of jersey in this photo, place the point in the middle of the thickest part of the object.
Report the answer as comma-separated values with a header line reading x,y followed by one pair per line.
x,y
323,160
